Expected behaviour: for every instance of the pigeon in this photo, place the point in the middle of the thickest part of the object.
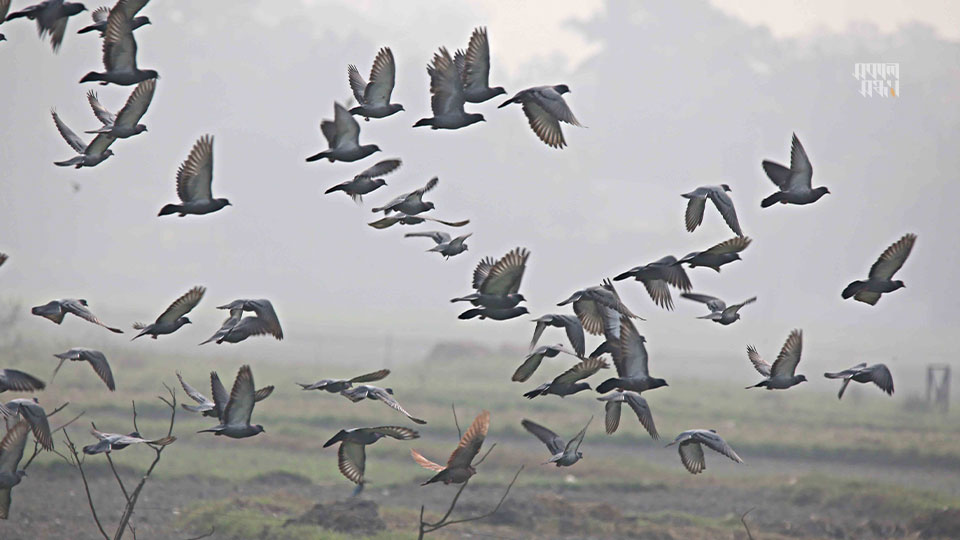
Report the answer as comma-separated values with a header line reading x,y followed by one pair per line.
x,y
97,360
174,317
235,420
631,361
570,323
374,97
563,455
411,203
194,178
352,456
51,17
4,8
613,402
536,356
339,385
209,408
719,311
124,124
459,467
367,181
90,155
11,452
782,374
497,282
793,183
445,245
447,96
656,276
723,253
878,374
567,383
496,314
108,442
237,328
879,280
474,68
14,380
384,395
698,202
545,109
343,137
403,219
120,48
589,304
691,451
100,16
55,310
31,411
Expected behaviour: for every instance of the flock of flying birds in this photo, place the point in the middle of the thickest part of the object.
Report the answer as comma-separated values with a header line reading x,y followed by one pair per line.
x,y
597,310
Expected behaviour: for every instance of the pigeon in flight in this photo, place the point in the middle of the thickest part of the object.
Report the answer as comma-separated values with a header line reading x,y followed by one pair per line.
x,y
691,448
374,97
90,155
411,203
447,96
343,137
367,181
235,420
567,383
720,312
339,385
535,357
879,280
31,411
656,276
570,323
599,309
51,17
14,380
120,48
124,124
631,361
384,395
209,408
352,456
783,373
474,68
497,282
404,219
108,442
562,454
793,183
613,402
100,16
11,452
55,310
723,253
878,374
545,109
445,245
237,328
96,359
459,467
697,203
194,180
174,317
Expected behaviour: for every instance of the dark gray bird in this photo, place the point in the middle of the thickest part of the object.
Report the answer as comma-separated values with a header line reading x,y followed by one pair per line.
x,y
120,48
632,363
55,310
173,317
720,312
691,448
570,323
613,402
592,306
194,180
411,203
100,16
697,203
495,314
723,253
343,137
374,97
15,380
783,373
367,181
96,359
235,420
794,183
339,385
536,356
567,383
445,245
545,109
89,155
51,17
656,276
11,452
383,395
31,411
403,219
108,442
879,280
474,68
125,123
562,454
459,467
209,408
878,374
237,328
447,96
352,456
497,282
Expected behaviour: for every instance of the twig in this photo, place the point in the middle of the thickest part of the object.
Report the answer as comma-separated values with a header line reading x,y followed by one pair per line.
x,y
205,535
86,487
36,444
117,476
743,519
453,406
426,528
479,461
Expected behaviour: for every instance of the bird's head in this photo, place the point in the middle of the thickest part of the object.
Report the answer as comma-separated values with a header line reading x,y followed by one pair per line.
x,y
821,191
522,311
145,20
223,202
430,205
259,428
497,91
898,284
657,383
3,37
562,89
579,454
736,257
388,390
473,118
139,128
373,148
725,187
151,74
184,320
74,8
801,378
108,152
379,182
397,107
518,297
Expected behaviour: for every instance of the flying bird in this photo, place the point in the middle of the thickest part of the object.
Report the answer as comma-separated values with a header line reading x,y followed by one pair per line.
x,y
124,123
697,203
632,363
11,452
120,48
343,137
447,95
535,357
720,312
562,454
612,405
235,420
55,310
31,411
567,383
367,181
497,281
89,154
589,305
411,203
14,380
404,219
383,395
51,17
211,408
237,328
445,245
96,359
459,467
173,317
108,442
691,448
339,385
655,278
374,97
794,183
545,109
194,180
102,14
879,280
723,253
351,454
571,325
878,374
474,68
783,373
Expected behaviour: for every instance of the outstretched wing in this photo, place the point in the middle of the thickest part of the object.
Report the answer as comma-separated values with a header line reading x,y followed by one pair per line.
x,y
552,440
181,306
789,357
759,364
136,105
893,258
106,117
471,442
68,135
506,274
581,370
195,175
382,77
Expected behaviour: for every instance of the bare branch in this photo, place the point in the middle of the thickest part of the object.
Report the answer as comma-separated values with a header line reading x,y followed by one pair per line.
x,y
205,535
453,406
743,519
86,487
479,461
117,476
426,528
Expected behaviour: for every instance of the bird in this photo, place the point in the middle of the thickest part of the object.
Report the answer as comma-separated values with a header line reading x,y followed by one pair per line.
x,y
783,373
11,452
570,323
632,363
173,317
723,253
655,278
561,454
367,181
4,9
14,380
237,328
235,420
691,448
383,395
445,245
447,95
90,154
108,442
878,374
459,467
612,405
120,48
31,411
567,383
410,204
51,17
194,179
404,219
535,357
100,16
124,124
374,97
697,203
474,68
343,137
545,108
879,279
55,310
338,385
590,304
351,454
720,312
209,408
794,184
497,281
96,359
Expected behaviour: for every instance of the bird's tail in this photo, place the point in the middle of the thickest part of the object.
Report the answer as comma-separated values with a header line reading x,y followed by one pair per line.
x,y
837,375
460,299
608,385
86,29
424,122
604,347
533,393
215,429
69,162
470,313
92,76
760,384
170,209
507,102
335,439
853,289
318,157
338,187
772,200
